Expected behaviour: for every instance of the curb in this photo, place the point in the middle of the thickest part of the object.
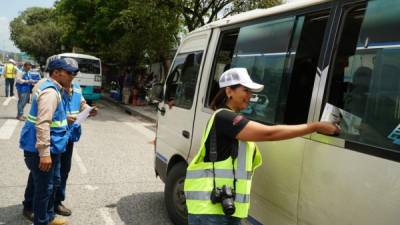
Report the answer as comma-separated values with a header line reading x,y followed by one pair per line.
x,y
128,109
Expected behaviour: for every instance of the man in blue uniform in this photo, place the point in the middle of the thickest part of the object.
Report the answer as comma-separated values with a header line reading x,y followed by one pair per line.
x,y
44,137
24,85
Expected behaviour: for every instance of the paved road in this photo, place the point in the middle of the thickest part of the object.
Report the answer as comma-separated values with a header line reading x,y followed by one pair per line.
x,y
112,178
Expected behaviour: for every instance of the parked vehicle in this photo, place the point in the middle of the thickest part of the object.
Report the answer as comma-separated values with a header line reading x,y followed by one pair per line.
x,y
89,76
307,54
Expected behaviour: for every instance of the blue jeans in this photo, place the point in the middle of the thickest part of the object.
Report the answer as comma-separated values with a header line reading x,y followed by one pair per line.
x,y
9,86
42,185
66,158
23,99
212,220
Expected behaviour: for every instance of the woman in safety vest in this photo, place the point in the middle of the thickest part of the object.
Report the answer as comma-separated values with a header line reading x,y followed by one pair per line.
x,y
218,180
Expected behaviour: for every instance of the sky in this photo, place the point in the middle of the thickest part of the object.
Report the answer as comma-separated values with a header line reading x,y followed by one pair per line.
x,y
11,9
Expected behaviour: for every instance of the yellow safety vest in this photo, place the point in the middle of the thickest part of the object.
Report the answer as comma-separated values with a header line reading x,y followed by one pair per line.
x,y
199,178
10,70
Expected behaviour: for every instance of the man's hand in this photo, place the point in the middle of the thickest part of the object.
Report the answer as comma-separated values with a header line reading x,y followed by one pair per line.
x,y
71,119
93,112
45,163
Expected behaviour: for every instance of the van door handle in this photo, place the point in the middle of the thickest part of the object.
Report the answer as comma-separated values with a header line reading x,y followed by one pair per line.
x,y
186,134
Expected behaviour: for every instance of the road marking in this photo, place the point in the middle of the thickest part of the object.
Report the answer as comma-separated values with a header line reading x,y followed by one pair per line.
x,y
7,101
81,166
142,129
7,129
91,188
105,214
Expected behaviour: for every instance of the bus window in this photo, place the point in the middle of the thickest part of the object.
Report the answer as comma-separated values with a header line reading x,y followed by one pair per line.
x,y
182,80
222,61
365,79
281,54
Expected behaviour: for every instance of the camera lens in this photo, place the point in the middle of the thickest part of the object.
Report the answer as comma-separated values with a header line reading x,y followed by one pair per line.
x,y
228,206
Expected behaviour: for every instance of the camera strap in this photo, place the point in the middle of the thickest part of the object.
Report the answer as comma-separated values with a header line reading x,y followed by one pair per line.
x,y
213,156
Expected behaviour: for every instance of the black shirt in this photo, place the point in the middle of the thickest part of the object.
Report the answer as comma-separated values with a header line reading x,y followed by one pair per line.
x,y
227,124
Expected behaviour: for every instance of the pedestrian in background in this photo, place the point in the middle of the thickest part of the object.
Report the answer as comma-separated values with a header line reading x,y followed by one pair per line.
x,y
74,103
43,138
10,72
24,84
222,197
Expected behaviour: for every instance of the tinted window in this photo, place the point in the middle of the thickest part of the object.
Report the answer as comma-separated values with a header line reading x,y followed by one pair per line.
x,y
262,49
182,80
366,77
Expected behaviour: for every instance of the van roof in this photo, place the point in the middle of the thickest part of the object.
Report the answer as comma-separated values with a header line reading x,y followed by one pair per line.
x,y
259,13
78,56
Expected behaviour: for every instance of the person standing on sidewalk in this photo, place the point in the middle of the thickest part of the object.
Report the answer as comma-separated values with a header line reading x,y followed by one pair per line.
x,y
74,103
43,138
10,71
23,85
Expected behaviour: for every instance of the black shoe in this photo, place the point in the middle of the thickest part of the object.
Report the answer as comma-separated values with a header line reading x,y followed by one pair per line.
x,y
60,209
28,214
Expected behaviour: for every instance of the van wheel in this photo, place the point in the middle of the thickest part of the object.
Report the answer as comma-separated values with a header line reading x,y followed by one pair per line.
x,y
175,196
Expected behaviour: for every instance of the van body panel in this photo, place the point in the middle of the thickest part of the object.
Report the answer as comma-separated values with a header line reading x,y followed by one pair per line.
x,y
281,170
346,187
176,120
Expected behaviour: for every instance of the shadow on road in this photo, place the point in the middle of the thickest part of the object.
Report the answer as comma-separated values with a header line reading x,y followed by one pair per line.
x,y
12,215
143,209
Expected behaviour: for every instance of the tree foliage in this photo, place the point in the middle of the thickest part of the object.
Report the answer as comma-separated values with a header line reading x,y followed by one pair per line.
x,y
36,32
119,30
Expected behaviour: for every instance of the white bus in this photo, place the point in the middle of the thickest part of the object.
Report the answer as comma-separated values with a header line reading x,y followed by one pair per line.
x,y
89,76
307,54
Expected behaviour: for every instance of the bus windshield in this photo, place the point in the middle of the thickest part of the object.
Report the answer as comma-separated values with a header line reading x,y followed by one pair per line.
x,y
87,65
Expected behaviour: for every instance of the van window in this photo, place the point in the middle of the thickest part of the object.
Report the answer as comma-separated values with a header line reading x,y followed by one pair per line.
x,y
365,79
281,54
181,82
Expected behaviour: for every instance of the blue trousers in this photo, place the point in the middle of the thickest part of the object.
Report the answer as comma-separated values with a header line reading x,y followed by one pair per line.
x,y
61,176
212,220
9,87
66,158
23,99
42,184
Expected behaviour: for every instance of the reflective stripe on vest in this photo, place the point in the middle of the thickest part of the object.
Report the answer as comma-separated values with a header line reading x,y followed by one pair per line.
x,y
54,124
199,178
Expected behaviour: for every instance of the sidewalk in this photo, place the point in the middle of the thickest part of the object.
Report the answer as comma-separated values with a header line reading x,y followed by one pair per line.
x,y
147,112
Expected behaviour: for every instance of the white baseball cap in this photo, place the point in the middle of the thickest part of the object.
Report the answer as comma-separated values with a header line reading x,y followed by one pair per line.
x,y
240,76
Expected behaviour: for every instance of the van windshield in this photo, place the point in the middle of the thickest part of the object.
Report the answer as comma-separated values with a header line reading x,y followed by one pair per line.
x,y
87,65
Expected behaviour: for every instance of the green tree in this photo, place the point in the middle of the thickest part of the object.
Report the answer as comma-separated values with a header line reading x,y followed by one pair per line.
x,y
123,31
36,32
197,13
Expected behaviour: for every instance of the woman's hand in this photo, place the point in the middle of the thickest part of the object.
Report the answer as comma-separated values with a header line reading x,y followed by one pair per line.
x,y
327,128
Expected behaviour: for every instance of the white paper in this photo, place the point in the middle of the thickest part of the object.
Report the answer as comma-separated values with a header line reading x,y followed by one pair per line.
x,y
82,116
349,123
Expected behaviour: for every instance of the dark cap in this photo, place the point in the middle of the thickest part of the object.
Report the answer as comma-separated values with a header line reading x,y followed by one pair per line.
x,y
68,64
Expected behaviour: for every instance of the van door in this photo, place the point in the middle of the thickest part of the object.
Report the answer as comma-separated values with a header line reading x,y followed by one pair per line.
x,y
176,115
353,178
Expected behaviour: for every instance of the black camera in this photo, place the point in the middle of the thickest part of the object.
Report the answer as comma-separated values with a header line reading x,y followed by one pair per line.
x,y
226,196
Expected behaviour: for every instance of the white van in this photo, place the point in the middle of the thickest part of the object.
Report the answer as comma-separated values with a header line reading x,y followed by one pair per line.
x,y
307,54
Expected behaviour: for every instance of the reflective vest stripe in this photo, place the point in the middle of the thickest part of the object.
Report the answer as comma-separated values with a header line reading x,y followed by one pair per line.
x,y
221,173
205,195
54,124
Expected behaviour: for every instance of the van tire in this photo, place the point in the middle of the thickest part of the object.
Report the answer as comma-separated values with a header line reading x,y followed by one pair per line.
x,y
174,196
